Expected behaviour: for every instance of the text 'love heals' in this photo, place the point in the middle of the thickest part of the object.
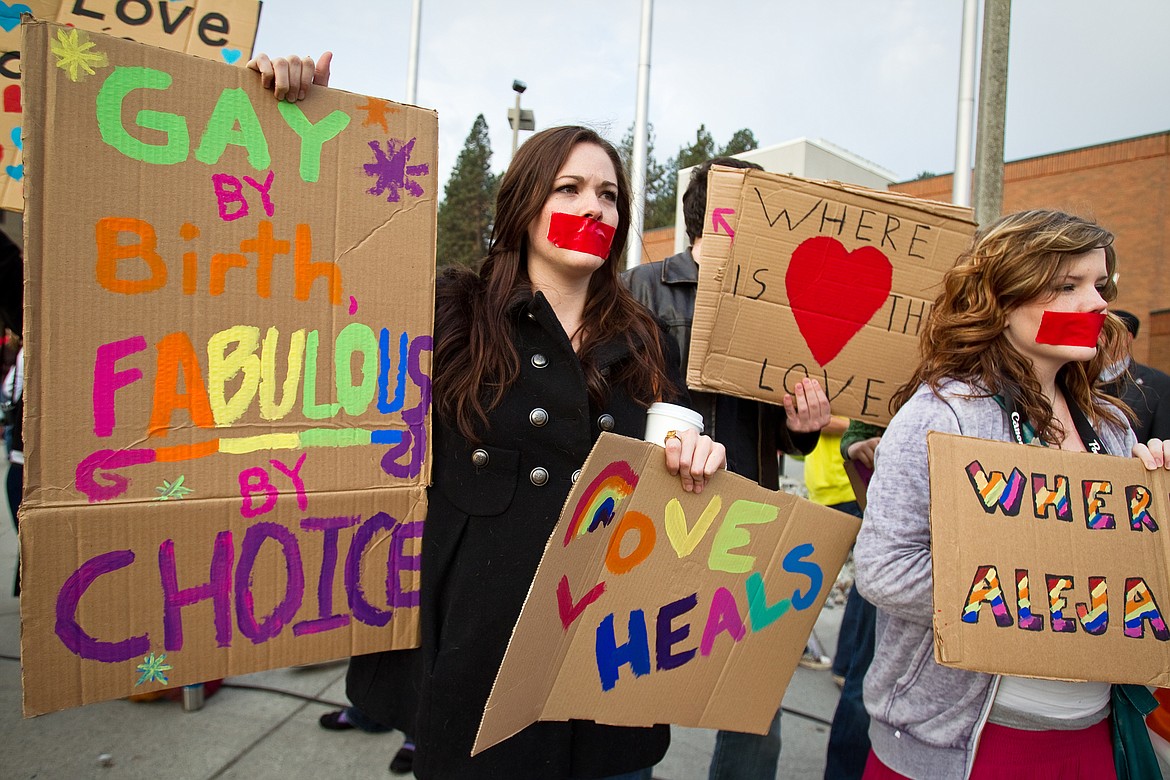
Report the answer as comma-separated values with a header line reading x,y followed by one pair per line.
x,y
807,278
229,402
653,605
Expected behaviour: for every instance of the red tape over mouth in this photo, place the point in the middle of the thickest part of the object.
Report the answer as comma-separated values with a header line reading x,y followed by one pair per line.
x,y
580,234
1070,328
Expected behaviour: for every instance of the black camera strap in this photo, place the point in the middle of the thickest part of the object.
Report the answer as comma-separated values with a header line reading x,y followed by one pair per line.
x,y
1024,433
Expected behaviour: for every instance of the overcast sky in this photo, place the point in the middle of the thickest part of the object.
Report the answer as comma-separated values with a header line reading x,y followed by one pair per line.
x,y
877,77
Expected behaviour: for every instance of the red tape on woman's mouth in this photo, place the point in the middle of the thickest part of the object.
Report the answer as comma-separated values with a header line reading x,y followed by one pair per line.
x,y
581,234
1070,328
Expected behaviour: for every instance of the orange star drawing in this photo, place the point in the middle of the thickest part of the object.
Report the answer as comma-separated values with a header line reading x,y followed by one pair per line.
x,y
376,110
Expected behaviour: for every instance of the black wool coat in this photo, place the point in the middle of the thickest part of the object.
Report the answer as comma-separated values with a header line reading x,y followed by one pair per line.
x,y
492,507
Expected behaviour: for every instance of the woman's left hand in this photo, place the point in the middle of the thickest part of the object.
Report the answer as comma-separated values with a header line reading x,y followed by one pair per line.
x,y
694,458
1153,455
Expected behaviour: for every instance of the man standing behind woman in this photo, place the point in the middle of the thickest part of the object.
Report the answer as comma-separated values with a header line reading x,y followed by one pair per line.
x,y
536,354
752,431
993,345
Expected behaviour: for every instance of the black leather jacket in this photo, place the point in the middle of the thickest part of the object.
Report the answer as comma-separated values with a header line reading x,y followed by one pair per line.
x,y
751,431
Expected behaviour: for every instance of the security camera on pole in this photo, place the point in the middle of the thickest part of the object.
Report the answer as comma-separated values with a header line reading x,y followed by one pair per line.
x,y
519,120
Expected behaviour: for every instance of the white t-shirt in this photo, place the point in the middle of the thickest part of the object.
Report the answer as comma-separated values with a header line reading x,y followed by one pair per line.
x,y
1025,700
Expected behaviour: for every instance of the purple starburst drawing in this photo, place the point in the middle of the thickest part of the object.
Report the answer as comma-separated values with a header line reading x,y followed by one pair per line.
x,y
391,169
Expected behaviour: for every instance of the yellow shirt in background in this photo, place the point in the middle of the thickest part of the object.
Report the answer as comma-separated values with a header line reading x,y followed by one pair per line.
x,y
824,473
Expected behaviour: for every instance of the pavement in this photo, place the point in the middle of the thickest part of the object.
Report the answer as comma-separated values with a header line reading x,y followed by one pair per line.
x,y
270,729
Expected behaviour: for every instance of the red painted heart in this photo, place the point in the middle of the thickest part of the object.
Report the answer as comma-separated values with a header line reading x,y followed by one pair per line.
x,y
12,99
834,293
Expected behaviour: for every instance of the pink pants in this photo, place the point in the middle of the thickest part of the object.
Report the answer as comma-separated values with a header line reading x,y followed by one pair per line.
x,y
1014,754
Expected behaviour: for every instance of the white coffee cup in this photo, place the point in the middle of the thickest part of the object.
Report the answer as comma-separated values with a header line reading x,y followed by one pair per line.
x,y
662,418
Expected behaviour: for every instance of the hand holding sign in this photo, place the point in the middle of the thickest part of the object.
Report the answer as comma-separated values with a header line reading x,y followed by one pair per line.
x,y
290,78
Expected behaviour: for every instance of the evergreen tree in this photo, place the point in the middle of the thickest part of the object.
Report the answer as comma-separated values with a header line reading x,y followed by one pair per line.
x,y
662,179
700,151
659,207
742,140
468,206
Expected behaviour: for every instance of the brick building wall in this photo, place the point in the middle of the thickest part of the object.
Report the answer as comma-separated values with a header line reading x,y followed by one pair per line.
x,y
657,244
1125,186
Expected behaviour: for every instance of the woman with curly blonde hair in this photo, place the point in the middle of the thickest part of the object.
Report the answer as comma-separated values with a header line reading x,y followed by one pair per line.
x,y
1011,351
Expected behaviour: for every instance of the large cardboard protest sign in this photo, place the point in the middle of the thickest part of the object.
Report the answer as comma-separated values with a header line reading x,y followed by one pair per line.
x,y
228,321
808,278
1048,563
222,30
652,605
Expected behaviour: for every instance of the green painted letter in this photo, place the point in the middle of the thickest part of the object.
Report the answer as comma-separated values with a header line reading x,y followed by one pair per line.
x,y
313,136
117,86
232,108
356,338
730,536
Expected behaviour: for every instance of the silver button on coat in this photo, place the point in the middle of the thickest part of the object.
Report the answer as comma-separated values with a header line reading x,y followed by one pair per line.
x,y
538,417
479,458
605,422
538,476
539,360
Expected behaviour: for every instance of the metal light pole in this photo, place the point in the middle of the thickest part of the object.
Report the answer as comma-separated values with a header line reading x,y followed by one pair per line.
x,y
964,129
412,63
641,133
519,120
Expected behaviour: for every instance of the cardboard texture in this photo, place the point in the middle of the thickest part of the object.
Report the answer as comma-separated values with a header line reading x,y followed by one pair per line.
x,y
228,315
1048,563
809,278
652,605
222,30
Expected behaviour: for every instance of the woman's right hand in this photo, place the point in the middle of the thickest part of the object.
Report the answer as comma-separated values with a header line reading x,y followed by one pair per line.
x,y
291,78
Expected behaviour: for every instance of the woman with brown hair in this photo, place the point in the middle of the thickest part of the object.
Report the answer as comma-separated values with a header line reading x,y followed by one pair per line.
x,y
536,354
1019,333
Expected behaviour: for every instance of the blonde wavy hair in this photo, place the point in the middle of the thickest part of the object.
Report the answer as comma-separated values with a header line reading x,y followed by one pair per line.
x,y
1013,261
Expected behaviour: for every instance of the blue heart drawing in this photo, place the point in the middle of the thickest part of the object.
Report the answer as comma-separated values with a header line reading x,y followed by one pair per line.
x,y
10,15
229,55
16,140
15,171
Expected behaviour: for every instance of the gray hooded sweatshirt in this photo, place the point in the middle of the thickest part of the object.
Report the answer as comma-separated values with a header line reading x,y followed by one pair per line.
x,y
925,719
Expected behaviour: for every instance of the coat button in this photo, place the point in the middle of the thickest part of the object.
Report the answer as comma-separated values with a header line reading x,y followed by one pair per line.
x,y
539,360
605,422
576,476
538,476
479,458
538,417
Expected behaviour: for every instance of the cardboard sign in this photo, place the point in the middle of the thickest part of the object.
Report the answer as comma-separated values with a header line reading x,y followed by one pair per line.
x,y
652,605
805,278
222,30
228,315
1049,563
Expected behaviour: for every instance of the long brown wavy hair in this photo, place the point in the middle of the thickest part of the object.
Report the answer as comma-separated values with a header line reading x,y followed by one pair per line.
x,y
1012,261
475,358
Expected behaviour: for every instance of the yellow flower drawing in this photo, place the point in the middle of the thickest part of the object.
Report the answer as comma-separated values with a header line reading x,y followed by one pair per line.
x,y
74,55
